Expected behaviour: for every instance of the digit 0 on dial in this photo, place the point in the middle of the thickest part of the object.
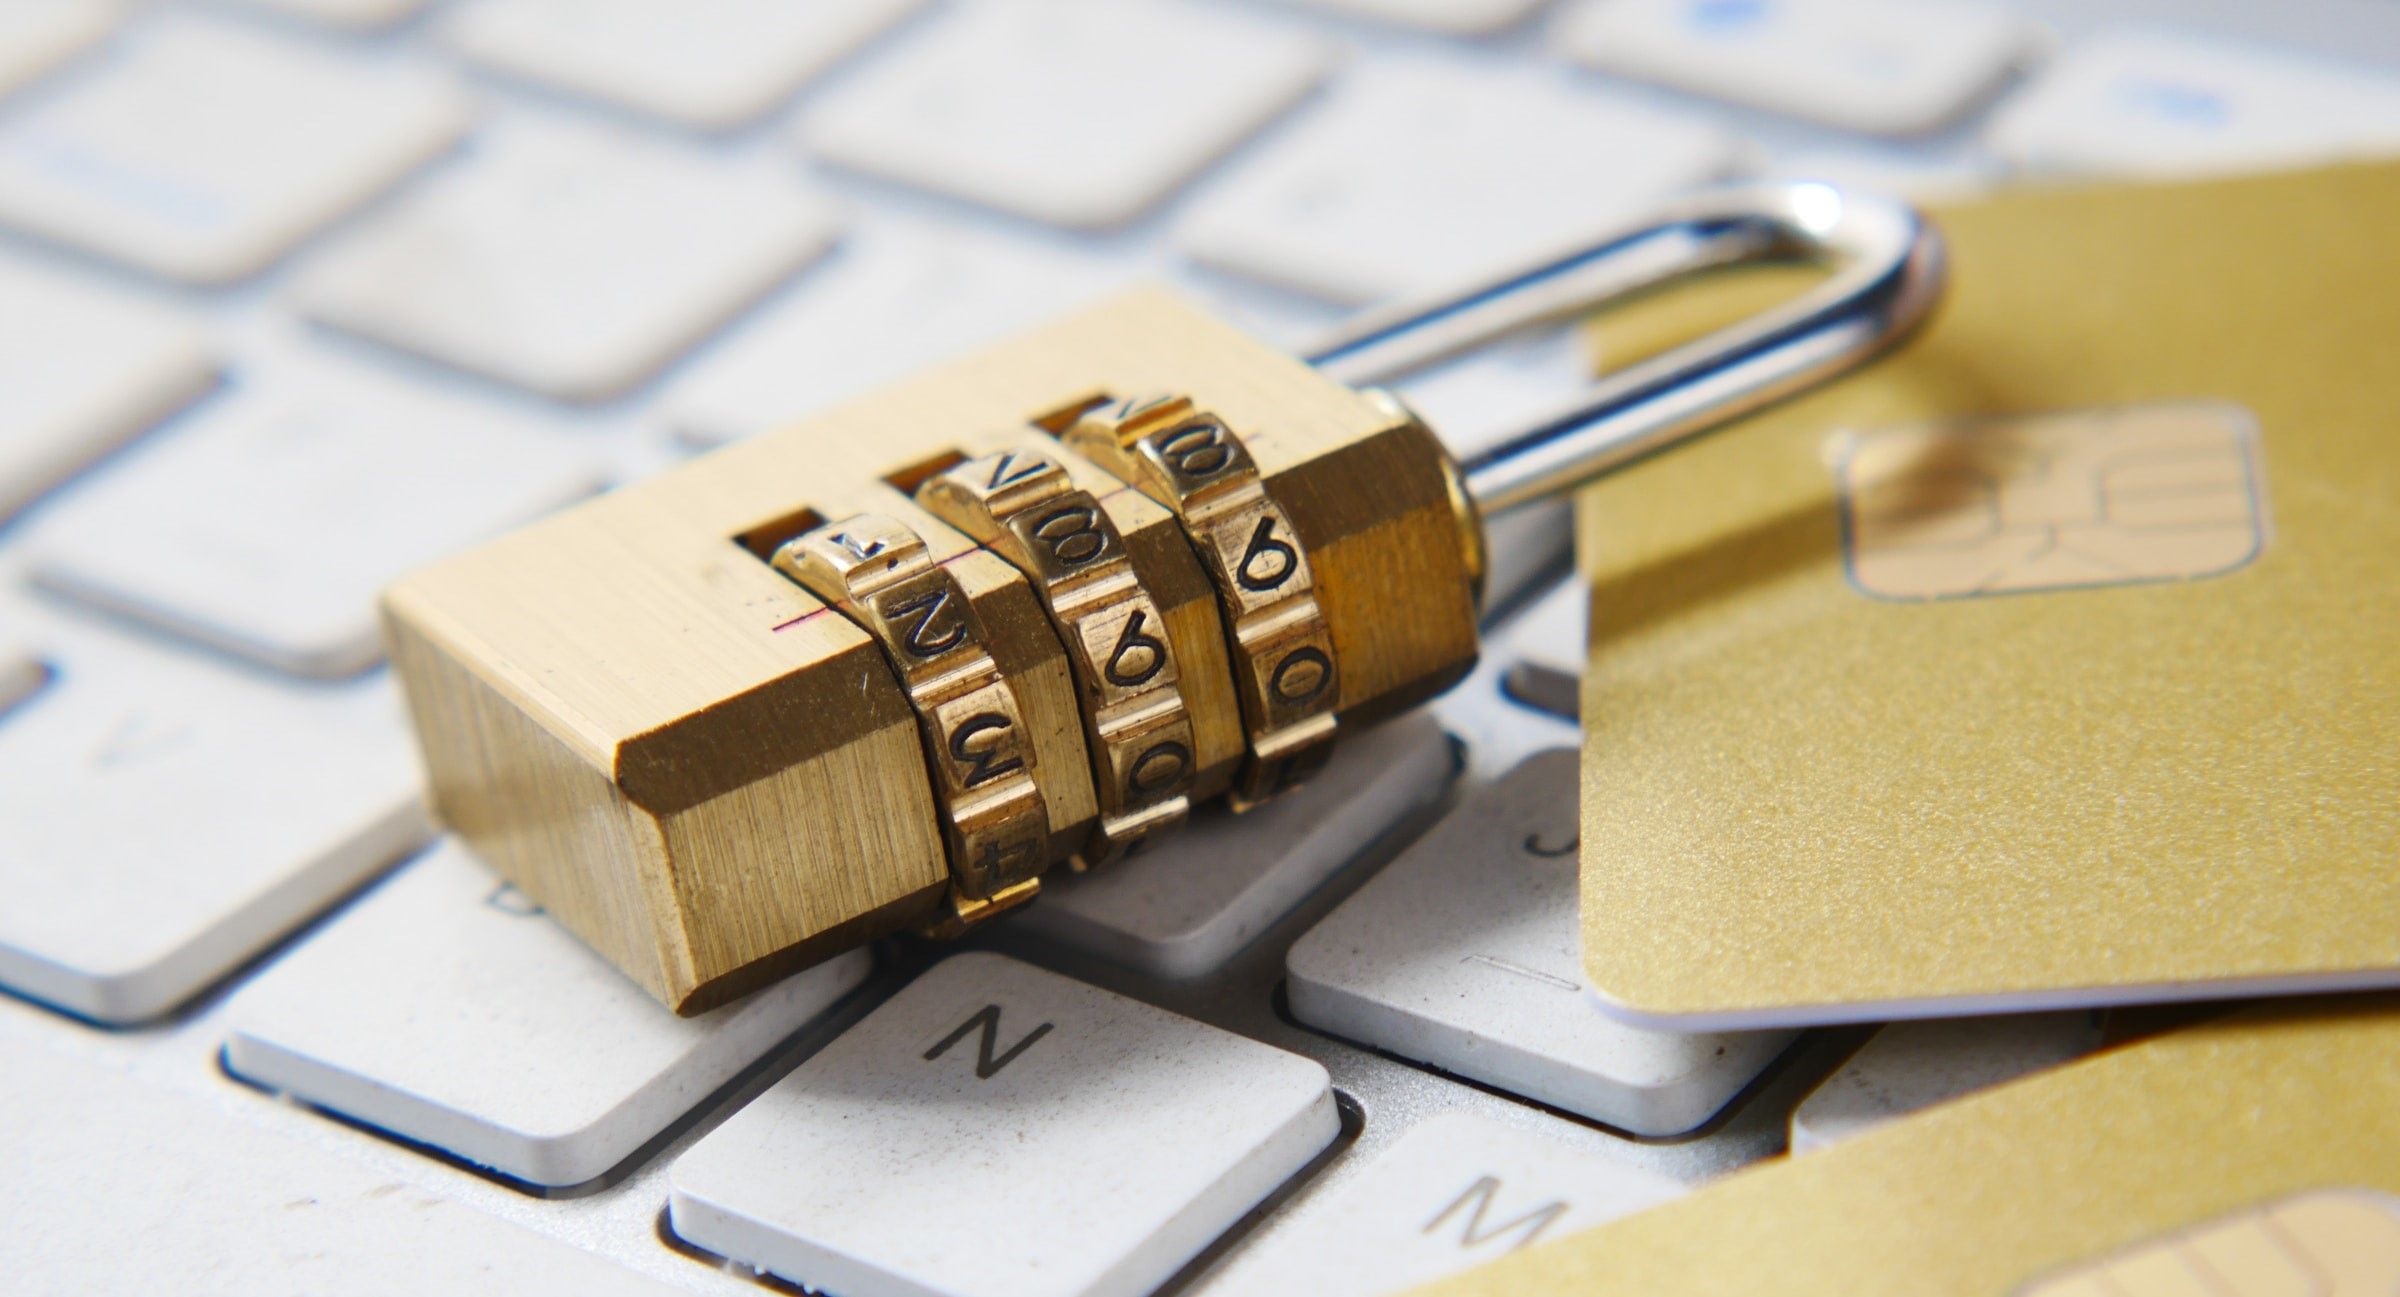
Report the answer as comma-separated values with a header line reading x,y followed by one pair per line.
x,y
1282,649
995,821
1021,503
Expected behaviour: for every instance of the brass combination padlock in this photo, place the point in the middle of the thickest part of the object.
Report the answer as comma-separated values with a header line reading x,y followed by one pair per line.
x,y
883,668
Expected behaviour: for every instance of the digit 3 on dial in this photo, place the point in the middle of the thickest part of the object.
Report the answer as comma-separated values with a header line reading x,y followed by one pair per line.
x,y
876,570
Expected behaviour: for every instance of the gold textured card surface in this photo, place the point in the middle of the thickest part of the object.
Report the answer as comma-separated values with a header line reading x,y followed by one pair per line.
x,y
2256,1156
2053,661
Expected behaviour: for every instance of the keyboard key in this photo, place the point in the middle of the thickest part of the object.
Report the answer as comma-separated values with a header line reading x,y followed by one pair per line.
x,y
2140,103
1913,1065
38,35
164,818
204,153
1546,646
889,302
82,369
1183,907
570,260
1463,953
1889,67
1454,1191
1078,112
1916,176
448,1009
1417,175
711,64
999,1130
272,520
114,1185
359,14
1449,17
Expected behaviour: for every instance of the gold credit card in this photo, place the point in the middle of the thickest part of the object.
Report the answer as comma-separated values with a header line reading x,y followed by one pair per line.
x,y
2053,661
2256,1156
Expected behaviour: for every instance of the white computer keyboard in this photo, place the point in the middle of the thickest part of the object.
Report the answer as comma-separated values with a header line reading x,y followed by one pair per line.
x,y
298,294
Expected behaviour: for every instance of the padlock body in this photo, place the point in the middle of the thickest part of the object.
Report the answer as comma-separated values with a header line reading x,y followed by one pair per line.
x,y
713,777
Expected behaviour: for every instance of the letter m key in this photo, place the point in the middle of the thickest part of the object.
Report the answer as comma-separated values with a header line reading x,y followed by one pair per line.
x,y
987,1062
1477,1200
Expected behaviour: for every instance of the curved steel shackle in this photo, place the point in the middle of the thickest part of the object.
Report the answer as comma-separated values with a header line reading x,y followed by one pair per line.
x,y
1889,274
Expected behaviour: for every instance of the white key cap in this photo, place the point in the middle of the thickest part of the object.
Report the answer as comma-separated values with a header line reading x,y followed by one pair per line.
x,y
448,1009
203,153
1450,17
570,260
163,818
38,35
21,673
2157,104
1455,1191
199,1199
1094,1143
1916,176
1417,175
82,369
1890,67
358,14
1078,112
890,301
711,64
1181,908
272,519
1913,1065
1546,647
1463,954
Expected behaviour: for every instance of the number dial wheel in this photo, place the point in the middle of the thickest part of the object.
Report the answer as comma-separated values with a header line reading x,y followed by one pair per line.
x,y
878,572
1282,651
1021,502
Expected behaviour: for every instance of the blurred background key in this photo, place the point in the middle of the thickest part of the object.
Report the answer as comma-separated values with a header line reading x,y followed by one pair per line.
x,y
83,368
38,35
570,260
706,64
359,15
1368,197
2159,103
268,524
202,152
1082,113
1886,67
1450,17
888,301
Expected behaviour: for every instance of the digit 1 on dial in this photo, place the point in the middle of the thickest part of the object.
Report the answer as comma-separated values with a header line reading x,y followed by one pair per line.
x,y
1188,460
995,820
1021,503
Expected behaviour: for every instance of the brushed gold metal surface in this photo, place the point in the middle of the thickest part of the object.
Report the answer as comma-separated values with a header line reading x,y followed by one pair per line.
x,y
2017,1187
714,777
986,772
1813,795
